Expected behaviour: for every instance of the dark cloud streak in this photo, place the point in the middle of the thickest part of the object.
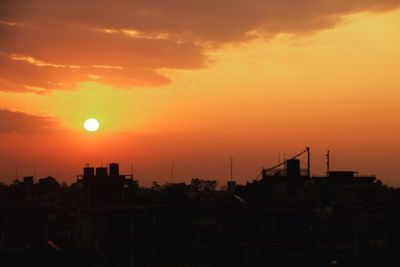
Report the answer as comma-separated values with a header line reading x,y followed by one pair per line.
x,y
138,38
23,123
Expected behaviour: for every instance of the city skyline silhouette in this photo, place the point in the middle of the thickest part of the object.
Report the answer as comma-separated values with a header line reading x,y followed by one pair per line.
x,y
170,169
284,217
199,133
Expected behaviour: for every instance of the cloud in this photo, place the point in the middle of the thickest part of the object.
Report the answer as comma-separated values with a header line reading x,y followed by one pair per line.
x,y
19,122
58,44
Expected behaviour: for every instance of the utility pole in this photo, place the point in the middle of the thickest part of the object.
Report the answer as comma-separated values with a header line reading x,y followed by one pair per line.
x,y
328,162
231,161
308,162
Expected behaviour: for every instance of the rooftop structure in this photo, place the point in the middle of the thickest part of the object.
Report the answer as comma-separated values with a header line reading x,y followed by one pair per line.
x,y
105,186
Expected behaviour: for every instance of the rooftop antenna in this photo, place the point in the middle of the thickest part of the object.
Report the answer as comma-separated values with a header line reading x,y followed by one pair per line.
x,y
16,173
308,162
172,169
328,162
231,161
132,169
279,158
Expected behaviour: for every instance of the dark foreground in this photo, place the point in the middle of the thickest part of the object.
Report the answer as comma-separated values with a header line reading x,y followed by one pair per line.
x,y
283,219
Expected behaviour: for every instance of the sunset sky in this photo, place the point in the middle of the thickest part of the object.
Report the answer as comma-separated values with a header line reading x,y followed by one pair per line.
x,y
197,81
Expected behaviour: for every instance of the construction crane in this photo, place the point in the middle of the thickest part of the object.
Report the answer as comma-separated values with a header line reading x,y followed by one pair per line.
x,y
306,150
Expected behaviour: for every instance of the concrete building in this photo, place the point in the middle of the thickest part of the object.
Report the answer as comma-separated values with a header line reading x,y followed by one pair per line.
x,y
105,186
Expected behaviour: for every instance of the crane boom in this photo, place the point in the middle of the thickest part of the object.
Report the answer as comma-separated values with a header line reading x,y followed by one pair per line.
x,y
282,163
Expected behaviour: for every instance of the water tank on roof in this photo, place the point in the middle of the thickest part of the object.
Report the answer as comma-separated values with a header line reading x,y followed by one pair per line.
x,y
101,171
293,167
114,169
88,171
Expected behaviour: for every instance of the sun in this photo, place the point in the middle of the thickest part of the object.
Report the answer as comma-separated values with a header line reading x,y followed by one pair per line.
x,y
91,125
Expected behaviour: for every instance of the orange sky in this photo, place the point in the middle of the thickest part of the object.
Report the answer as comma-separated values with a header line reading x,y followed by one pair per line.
x,y
197,81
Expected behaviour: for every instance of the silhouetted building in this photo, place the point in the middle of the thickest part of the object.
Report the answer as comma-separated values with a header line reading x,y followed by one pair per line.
x,y
343,187
48,181
342,175
284,184
231,187
28,180
103,188
88,171
288,182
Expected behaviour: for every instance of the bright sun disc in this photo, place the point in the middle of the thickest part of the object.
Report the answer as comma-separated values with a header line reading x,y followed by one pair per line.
x,y
91,125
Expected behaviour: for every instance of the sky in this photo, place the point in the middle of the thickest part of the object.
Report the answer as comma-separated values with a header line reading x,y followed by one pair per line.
x,y
198,81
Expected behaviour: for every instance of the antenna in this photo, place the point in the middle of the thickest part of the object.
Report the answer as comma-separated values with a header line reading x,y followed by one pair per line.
x,y
328,162
308,162
16,173
132,169
231,161
172,170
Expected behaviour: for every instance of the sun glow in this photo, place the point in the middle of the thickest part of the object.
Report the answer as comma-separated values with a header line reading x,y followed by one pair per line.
x,y
91,125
